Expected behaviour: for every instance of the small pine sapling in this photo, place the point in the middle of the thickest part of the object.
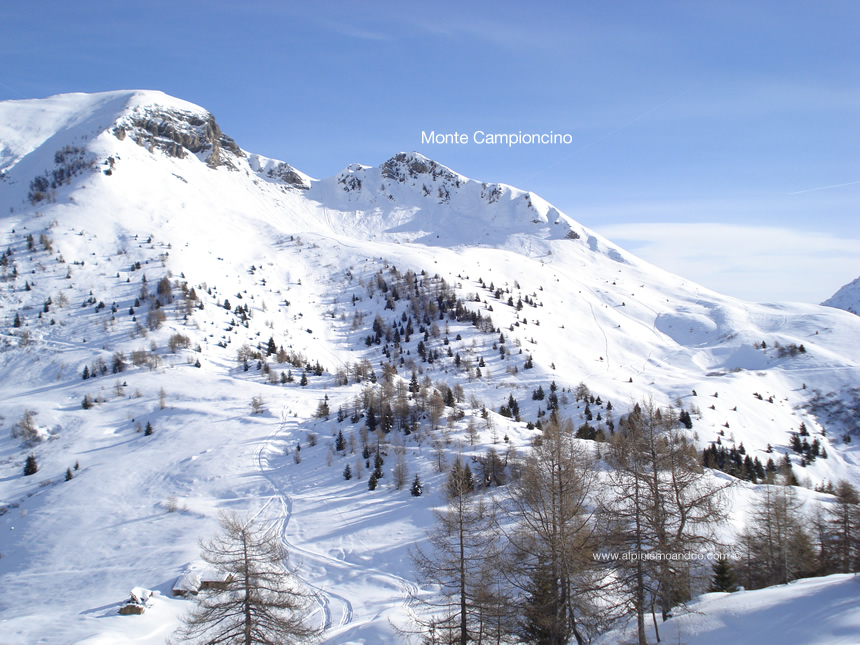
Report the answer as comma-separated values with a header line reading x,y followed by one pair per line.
x,y
417,488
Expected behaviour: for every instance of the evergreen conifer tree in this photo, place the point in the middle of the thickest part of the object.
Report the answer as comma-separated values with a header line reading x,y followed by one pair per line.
x,y
449,398
417,488
461,477
723,578
31,466
323,410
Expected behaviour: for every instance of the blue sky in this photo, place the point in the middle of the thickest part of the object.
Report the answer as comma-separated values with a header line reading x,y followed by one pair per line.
x,y
736,122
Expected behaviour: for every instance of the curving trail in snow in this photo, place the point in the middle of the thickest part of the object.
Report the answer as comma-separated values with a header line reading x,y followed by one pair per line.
x,y
337,611
603,332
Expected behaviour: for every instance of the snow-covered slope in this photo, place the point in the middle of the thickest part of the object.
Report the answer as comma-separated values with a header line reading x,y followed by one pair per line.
x,y
412,198
847,298
815,610
133,229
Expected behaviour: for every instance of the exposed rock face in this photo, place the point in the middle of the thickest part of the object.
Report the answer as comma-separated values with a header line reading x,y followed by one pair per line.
x,y
177,133
131,610
286,173
403,166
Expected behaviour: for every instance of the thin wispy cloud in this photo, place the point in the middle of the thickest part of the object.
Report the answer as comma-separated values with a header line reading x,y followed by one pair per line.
x,y
812,190
758,263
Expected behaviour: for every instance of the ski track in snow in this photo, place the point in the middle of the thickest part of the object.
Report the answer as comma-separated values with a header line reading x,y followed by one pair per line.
x,y
323,598
593,313
605,339
337,610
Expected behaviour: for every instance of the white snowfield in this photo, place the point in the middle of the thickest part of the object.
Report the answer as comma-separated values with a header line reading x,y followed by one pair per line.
x,y
813,611
141,184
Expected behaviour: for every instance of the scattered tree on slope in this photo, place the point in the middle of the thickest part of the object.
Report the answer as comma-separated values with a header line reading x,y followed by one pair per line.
x,y
260,602
661,503
463,559
553,539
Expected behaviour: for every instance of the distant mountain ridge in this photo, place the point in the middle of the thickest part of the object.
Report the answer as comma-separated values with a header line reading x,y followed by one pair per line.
x,y
407,198
847,298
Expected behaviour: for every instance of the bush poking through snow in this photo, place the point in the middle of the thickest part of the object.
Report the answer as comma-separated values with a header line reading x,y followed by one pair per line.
x,y
178,341
26,428
258,406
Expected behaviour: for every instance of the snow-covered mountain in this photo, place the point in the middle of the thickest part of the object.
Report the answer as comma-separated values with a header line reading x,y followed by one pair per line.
x,y
847,298
144,248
